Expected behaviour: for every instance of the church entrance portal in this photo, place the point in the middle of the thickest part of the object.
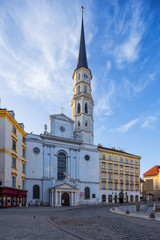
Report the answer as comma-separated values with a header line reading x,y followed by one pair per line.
x,y
65,199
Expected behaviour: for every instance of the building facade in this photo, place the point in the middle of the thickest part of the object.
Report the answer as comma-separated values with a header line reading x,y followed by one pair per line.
x,y
119,174
12,160
63,163
152,184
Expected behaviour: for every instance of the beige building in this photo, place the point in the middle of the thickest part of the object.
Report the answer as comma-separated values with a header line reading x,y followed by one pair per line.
x,y
12,160
152,183
119,173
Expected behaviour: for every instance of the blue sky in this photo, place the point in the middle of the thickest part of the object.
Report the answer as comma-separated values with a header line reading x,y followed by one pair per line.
x,y
39,43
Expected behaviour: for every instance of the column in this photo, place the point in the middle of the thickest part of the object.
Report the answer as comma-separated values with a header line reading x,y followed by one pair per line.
x,y
52,171
71,198
71,163
77,165
55,198
60,199
52,194
44,161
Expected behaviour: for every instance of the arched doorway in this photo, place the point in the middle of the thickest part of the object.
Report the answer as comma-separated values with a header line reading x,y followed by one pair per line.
x,y
110,198
103,198
131,198
121,197
65,199
136,198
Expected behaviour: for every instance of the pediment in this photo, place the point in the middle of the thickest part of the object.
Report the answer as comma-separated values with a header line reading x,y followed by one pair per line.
x,y
61,117
65,186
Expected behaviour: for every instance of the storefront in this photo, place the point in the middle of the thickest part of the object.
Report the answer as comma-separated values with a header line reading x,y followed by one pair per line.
x,y
11,197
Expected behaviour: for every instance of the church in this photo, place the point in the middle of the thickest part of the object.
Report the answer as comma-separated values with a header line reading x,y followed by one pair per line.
x,y
62,164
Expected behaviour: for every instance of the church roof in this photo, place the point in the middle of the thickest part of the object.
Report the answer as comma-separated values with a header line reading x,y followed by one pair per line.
x,y
82,58
62,117
153,171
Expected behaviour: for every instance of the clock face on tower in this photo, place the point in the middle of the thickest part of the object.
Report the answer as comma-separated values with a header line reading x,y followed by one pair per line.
x,y
85,75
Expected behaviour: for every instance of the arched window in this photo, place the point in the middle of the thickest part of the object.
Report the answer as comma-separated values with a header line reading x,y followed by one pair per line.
x,y
85,88
131,198
79,89
86,123
86,108
87,193
78,76
61,165
79,108
79,123
36,191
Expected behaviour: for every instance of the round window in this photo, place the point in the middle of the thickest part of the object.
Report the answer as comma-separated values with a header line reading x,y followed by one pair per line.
x,y
62,129
36,150
87,157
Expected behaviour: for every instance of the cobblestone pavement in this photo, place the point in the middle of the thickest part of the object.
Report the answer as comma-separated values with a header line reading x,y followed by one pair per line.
x,y
86,223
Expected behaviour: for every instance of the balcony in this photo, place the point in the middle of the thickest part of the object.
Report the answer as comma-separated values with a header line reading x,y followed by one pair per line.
x,y
115,181
109,180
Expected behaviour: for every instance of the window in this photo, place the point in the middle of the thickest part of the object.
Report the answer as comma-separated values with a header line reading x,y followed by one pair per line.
x,y
110,186
115,158
79,89
23,168
61,166
136,187
121,159
121,177
110,176
136,178
131,161
14,130
79,108
86,123
86,108
103,185
36,191
121,186
87,193
115,186
23,184
103,165
126,187
79,76
115,167
127,178
23,153
131,178
131,169
126,160
85,89
109,166
79,124
121,168
13,181
13,162
94,195
13,144
23,139
103,175
131,187
103,156
127,169
110,157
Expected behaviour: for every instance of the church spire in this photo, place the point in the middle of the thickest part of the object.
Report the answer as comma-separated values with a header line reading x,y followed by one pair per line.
x,y
82,59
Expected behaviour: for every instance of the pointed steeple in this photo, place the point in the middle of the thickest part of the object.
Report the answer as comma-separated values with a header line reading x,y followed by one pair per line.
x,y
82,58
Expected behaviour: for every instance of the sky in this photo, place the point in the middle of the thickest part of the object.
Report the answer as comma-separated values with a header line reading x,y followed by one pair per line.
x,y
39,43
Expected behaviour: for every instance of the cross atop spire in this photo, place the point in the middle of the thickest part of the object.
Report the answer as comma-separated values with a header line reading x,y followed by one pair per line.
x,y
82,58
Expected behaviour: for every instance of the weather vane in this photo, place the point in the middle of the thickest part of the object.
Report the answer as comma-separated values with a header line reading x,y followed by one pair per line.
x,y
82,9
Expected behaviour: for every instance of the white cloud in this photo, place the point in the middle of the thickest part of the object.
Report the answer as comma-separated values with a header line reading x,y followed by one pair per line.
x,y
103,104
124,128
124,32
148,122
39,47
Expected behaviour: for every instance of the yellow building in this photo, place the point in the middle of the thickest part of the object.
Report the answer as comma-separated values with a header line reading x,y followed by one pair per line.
x,y
12,160
119,173
152,183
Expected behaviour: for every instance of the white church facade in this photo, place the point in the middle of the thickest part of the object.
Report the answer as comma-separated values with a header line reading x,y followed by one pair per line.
x,y
62,164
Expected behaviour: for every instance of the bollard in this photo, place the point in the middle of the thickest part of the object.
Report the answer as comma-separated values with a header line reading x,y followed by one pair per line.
x,y
137,207
152,215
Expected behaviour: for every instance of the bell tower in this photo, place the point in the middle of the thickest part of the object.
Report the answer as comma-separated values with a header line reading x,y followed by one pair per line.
x,y
82,102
